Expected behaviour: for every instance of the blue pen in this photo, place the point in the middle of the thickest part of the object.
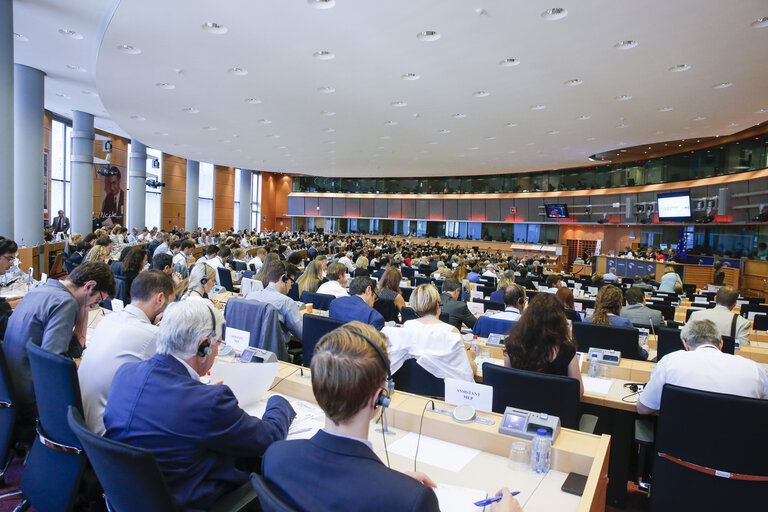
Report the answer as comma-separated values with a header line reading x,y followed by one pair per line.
x,y
483,503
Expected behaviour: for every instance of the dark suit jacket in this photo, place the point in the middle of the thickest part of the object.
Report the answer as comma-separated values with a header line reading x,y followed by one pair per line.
x,y
194,431
64,224
458,312
354,308
328,473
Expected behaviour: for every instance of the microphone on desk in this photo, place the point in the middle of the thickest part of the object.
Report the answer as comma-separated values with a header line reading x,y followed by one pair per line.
x,y
651,323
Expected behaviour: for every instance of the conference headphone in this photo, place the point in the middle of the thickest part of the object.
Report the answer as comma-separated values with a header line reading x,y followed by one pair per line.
x,y
205,347
383,399
204,279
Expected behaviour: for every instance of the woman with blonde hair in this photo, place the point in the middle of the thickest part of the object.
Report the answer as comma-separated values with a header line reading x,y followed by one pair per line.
x,y
202,279
312,277
98,253
361,267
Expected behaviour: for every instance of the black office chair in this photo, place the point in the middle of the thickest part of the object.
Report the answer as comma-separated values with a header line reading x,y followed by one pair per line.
x,y
689,289
487,290
491,305
407,272
387,309
413,378
293,293
225,279
406,292
729,344
680,439
407,313
240,266
572,315
315,327
746,309
668,341
667,310
321,301
8,413
761,323
623,339
56,462
422,280
554,394
268,499
697,307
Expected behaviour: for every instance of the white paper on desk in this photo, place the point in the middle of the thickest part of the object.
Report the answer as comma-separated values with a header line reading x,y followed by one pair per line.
x,y
449,456
248,381
304,430
476,307
578,306
596,386
248,285
752,314
460,392
476,294
480,360
701,300
238,339
742,302
458,499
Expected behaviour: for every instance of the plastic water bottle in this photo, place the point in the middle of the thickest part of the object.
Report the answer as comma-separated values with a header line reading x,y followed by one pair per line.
x,y
475,345
594,366
541,449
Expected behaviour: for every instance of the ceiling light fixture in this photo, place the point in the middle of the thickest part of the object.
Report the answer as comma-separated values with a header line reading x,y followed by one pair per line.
x,y
583,117
625,45
508,63
70,33
510,125
679,68
162,134
428,35
237,71
385,137
573,83
590,139
327,113
137,117
214,28
760,22
665,109
73,67
390,123
322,4
459,116
329,130
722,85
252,101
165,85
191,110
62,95
762,111
623,97
90,93
20,37
444,131
399,104
273,136
410,76
326,90
264,121
622,125
323,55
553,132
481,94
538,107
209,128
128,49
555,13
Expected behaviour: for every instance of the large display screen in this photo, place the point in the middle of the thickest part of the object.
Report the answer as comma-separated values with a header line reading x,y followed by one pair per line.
x,y
557,211
675,205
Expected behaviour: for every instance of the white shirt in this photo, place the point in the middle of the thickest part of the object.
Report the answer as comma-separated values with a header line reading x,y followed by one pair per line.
x,y
162,248
435,347
180,259
192,372
509,313
256,262
723,317
333,288
706,369
489,273
123,337
347,263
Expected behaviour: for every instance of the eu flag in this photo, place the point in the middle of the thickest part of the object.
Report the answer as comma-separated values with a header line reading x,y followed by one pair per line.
x,y
682,248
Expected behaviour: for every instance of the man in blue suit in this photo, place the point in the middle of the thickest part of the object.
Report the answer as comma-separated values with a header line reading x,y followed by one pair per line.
x,y
196,432
336,470
359,305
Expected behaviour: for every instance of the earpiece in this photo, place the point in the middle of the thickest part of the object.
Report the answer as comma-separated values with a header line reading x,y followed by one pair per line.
x,y
383,398
205,347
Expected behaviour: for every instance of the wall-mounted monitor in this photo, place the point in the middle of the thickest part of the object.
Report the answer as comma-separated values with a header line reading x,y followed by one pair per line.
x,y
557,211
674,206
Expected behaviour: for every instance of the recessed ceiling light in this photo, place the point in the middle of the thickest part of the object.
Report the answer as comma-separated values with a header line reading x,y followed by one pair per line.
x,y
331,151
326,90
331,142
70,33
459,116
531,144
329,130
322,4
573,83
481,94
510,125
162,134
659,132
136,117
209,128
444,131
508,63
722,85
538,107
760,22
237,71
428,35
399,104
20,37
214,28
273,136
62,95
127,48
762,111
590,138
73,67
680,67
385,137
390,123
264,121
165,85
733,124
90,93
410,76
622,125
622,143
665,109
583,117
252,101
625,45
555,13
475,147
323,55
327,113
191,110
553,132
623,97
490,138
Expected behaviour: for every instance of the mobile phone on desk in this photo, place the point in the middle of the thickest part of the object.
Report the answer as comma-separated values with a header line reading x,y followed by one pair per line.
x,y
574,484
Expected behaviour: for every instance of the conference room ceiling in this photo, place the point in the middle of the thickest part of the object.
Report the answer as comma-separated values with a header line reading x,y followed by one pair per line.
x,y
321,87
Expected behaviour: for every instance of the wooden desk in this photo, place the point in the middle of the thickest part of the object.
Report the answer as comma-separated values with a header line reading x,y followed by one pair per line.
x,y
50,251
700,275
30,257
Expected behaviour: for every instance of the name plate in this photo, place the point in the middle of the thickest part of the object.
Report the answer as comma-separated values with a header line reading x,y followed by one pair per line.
x,y
238,339
476,307
459,392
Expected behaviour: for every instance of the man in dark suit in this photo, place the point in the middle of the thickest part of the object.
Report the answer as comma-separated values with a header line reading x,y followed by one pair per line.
x,y
60,224
337,469
384,264
524,280
195,431
457,310
359,305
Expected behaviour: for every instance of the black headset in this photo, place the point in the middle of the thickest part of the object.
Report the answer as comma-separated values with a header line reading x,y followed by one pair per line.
x,y
204,279
205,347
383,399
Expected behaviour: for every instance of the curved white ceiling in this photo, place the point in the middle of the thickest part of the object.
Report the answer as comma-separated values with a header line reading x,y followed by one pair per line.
x,y
374,43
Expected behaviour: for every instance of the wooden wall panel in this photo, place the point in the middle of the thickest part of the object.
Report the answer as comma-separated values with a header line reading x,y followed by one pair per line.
x,y
223,198
275,189
173,197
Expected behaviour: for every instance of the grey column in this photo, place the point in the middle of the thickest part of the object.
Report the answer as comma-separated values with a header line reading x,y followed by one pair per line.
x,y
137,185
6,116
81,208
193,194
28,155
245,199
